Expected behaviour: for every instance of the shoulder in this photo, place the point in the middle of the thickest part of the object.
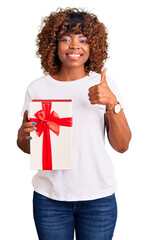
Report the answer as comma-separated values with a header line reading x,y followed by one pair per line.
x,y
37,83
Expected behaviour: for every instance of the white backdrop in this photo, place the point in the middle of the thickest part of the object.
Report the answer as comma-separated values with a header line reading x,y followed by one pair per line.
x,y
127,25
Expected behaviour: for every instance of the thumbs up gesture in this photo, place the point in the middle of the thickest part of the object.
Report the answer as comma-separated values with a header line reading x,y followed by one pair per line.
x,y
101,93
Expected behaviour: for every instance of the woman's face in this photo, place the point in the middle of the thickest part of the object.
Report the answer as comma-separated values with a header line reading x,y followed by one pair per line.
x,y
73,50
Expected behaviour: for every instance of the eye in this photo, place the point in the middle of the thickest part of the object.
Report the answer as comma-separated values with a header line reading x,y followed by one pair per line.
x,y
64,40
83,41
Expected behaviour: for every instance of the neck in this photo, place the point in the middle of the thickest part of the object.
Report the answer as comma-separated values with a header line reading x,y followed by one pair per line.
x,y
71,74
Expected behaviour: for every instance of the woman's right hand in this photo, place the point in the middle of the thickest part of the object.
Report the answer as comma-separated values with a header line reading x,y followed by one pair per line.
x,y
24,138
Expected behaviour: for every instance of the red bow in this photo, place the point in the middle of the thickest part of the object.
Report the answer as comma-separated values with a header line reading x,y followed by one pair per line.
x,y
48,120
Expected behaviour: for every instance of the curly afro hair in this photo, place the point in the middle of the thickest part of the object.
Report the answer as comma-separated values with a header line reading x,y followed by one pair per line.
x,y
71,20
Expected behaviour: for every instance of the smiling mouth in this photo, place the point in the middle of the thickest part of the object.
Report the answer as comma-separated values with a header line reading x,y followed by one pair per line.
x,y
74,56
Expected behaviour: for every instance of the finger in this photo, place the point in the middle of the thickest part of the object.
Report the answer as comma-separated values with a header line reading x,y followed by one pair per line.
x,y
98,97
25,117
29,124
95,91
28,137
93,88
91,94
25,136
94,102
28,130
103,75
100,101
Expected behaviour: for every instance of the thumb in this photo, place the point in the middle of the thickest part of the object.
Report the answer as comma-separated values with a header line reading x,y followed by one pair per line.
x,y
25,117
103,75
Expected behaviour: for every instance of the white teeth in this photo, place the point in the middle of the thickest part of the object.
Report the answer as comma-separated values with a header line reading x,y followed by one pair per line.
x,y
73,55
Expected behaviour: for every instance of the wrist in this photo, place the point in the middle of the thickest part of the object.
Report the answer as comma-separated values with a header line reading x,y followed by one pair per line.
x,y
116,109
111,105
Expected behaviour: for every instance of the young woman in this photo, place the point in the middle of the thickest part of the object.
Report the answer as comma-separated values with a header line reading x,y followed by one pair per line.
x,y
72,45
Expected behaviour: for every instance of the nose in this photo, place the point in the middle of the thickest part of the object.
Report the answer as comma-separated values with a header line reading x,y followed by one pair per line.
x,y
74,44
74,47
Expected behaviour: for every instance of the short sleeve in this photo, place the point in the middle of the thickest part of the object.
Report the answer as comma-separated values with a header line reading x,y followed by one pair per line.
x,y
26,103
113,87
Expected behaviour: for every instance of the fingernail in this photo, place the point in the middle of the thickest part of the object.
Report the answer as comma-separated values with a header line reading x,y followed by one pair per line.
x,y
25,111
30,137
34,128
34,123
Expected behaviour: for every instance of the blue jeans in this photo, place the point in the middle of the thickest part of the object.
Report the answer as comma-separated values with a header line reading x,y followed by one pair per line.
x,y
91,219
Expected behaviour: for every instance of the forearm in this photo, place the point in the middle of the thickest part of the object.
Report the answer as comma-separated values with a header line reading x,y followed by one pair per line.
x,y
118,131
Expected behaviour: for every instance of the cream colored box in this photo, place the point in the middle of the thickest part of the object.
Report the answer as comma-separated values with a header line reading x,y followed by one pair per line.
x,y
51,143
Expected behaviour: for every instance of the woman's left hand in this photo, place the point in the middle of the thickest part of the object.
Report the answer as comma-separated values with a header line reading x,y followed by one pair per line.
x,y
101,93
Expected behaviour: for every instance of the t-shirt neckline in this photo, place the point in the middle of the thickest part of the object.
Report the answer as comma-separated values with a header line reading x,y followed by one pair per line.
x,y
69,82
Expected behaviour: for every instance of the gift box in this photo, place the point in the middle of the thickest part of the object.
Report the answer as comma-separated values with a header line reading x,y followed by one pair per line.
x,y
51,143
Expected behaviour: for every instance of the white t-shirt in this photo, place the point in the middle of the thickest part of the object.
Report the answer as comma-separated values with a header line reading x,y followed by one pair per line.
x,y
92,174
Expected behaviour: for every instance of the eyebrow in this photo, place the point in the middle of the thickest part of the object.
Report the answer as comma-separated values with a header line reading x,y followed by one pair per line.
x,y
79,36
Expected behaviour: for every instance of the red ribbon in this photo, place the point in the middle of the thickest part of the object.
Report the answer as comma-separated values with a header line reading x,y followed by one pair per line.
x,y
48,120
